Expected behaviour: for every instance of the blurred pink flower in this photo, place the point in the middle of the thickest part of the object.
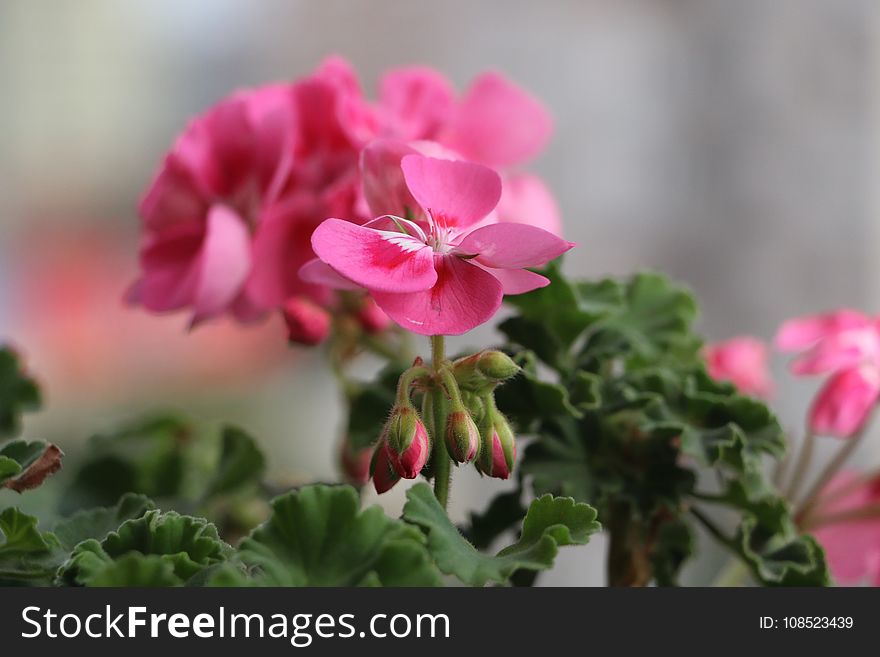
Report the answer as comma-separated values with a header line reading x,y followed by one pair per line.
x,y
441,277
852,546
845,344
228,219
741,361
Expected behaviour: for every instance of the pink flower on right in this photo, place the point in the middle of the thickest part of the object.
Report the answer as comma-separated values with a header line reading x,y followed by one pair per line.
x,y
846,345
852,547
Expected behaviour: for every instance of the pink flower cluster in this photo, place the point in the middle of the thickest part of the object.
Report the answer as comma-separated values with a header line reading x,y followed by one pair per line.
x,y
741,361
845,345
229,217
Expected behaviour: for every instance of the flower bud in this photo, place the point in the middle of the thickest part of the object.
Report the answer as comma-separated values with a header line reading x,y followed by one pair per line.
x,y
383,472
355,463
307,323
371,317
498,450
407,440
462,436
497,366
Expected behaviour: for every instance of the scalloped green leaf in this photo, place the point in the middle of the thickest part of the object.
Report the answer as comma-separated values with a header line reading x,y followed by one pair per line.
x,y
26,553
318,536
188,544
18,393
136,570
97,523
241,463
549,524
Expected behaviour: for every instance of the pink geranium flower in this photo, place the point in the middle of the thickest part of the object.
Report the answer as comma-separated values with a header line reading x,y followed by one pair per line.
x,y
440,276
845,344
741,361
852,546
228,219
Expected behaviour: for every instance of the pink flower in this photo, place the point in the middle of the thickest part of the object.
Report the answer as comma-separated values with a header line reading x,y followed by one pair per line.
x,y
845,344
852,546
439,277
743,362
228,219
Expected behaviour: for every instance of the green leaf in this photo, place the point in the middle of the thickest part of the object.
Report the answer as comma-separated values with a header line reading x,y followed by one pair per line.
x,y
504,512
550,523
673,545
26,553
136,570
768,540
18,393
159,458
188,544
526,397
97,523
317,536
26,465
369,406
241,463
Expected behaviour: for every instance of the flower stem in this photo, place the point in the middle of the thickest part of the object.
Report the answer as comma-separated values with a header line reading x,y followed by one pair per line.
x,y
434,414
825,476
805,456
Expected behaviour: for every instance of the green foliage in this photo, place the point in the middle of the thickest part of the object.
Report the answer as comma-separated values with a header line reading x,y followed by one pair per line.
x,y
551,522
97,523
369,404
169,459
626,418
27,555
18,393
187,544
317,536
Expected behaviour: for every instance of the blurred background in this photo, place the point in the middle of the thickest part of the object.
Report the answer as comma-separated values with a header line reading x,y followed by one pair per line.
x,y
730,144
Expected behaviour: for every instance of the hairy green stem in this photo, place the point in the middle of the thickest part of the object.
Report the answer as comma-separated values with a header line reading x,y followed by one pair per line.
x,y
435,415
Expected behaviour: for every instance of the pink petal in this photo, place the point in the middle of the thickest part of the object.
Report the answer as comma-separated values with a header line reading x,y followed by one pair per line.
x,y
525,199
850,547
384,186
456,193
516,281
224,262
845,402
842,349
801,332
378,260
498,123
318,272
417,102
281,245
513,246
464,297
169,268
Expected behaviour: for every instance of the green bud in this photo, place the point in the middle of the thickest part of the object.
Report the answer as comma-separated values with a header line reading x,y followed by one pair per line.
x,y
497,366
462,436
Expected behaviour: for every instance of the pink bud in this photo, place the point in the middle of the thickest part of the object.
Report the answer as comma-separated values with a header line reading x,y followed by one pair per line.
x,y
408,442
372,318
307,323
498,452
462,436
355,463
384,474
